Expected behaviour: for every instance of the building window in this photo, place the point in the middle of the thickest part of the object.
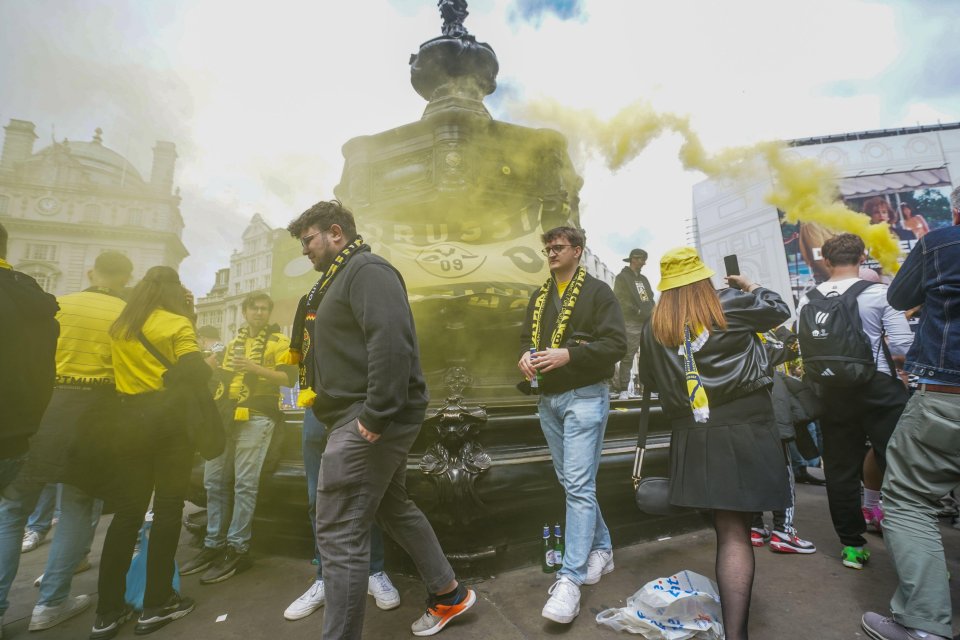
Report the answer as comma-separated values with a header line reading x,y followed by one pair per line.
x,y
44,279
4,203
91,213
47,252
135,217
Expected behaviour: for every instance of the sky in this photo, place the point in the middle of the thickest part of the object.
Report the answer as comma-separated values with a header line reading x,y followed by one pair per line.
x,y
259,97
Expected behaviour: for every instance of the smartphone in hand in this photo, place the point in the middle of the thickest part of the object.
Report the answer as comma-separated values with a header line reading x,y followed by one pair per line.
x,y
732,267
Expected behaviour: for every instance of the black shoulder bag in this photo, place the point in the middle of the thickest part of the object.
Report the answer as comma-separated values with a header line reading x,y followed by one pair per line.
x,y
652,494
206,428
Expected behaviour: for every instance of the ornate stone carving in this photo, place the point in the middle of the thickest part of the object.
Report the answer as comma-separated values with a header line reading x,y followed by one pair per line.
x,y
456,459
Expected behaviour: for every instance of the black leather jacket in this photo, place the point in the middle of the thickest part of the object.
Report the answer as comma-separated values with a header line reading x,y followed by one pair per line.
x,y
732,363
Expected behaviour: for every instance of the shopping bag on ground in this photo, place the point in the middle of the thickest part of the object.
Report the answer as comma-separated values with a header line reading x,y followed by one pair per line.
x,y
137,574
685,606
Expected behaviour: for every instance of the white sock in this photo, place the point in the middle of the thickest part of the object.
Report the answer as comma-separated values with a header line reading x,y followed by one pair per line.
x,y
871,498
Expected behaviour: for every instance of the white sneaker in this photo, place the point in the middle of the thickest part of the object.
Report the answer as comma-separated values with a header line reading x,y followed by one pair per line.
x,y
306,604
31,540
564,603
45,617
599,563
383,591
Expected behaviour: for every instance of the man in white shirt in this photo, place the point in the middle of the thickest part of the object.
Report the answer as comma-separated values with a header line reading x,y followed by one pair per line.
x,y
870,410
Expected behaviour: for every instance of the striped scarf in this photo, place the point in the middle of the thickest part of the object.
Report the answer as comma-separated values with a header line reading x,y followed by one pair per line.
x,y
696,392
301,340
566,309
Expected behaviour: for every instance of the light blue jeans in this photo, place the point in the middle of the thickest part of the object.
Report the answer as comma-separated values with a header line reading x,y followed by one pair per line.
x,y
574,423
232,481
41,520
71,540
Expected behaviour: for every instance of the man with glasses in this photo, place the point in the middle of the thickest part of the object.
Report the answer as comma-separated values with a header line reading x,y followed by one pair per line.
x,y
248,396
371,393
572,338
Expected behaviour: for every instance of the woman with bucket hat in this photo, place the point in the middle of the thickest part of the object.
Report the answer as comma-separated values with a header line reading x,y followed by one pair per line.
x,y
700,351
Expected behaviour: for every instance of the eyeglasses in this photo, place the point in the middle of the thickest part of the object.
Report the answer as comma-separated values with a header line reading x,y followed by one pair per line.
x,y
305,240
557,248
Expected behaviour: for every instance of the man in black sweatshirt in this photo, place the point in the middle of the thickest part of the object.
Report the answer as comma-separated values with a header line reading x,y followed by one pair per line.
x,y
572,338
372,395
28,342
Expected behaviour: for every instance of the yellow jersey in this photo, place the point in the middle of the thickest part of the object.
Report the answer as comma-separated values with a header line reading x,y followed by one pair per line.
x,y
83,349
136,370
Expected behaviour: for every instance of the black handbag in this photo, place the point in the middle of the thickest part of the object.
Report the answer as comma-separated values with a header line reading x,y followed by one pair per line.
x,y
206,426
652,494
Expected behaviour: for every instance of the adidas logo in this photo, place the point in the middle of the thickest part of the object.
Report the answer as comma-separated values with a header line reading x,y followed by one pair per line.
x,y
826,372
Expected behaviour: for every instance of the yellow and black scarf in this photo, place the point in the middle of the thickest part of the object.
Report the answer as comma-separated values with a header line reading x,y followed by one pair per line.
x,y
696,392
301,340
570,296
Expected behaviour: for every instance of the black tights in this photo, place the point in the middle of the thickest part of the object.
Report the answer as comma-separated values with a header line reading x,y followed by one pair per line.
x,y
734,570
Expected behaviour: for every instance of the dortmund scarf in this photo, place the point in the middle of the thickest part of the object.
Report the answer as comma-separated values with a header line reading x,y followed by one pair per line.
x,y
301,340
245,381
696,392
570,296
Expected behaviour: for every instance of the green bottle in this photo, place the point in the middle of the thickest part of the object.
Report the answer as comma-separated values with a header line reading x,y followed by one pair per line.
x,y
557,547
546,552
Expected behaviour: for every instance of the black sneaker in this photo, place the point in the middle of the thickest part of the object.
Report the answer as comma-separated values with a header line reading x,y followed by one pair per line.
x,y
229,564
154,618
201,561
107,625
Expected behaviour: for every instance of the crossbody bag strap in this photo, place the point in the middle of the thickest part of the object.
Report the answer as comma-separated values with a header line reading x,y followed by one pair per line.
x,y
641,436
152,350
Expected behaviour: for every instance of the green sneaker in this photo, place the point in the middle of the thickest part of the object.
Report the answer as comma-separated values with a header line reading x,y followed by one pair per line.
x,y
854,558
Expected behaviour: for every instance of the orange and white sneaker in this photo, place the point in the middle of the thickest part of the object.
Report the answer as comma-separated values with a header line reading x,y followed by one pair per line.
x,y
437,615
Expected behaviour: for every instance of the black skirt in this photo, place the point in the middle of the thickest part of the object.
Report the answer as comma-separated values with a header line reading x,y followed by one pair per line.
x,y
733,462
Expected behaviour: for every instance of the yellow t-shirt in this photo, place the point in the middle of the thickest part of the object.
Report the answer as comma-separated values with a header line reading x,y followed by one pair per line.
x,y
275,346
83,349
562,288
136,370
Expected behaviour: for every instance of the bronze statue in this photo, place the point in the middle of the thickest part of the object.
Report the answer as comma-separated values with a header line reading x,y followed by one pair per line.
x,y
454,12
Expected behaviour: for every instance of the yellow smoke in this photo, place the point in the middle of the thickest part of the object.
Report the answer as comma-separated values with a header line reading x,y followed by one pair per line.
x,y
804,189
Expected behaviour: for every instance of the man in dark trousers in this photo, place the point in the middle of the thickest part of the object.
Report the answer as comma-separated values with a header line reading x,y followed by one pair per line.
x,y
923,456
27,366
635,295
572,338
372,395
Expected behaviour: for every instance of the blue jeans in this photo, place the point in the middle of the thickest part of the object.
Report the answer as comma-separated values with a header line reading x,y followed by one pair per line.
x,y
314,443
574,423
41,520
232,480
71,541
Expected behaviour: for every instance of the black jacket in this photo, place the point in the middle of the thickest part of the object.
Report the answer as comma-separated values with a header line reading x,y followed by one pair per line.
x,y
635,309
731,364
366,353
28,345
595,336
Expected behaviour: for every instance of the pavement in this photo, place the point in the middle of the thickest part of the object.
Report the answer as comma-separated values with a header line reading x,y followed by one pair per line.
x,y
794,597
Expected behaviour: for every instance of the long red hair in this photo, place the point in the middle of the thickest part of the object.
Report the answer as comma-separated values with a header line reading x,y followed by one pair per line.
x,y
696,304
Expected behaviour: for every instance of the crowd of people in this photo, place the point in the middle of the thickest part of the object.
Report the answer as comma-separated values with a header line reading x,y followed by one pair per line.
x,y
110,393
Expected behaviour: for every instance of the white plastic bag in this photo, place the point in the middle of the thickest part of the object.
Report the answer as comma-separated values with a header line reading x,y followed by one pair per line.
x,y
685,606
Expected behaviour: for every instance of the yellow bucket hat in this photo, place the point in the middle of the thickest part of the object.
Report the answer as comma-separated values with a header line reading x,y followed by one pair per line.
x,y
680,267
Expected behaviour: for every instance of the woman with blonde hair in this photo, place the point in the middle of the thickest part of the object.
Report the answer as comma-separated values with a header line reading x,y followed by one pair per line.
x,y
153,450
701,352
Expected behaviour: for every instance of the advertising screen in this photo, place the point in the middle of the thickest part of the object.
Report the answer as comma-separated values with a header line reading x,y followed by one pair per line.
x,y
911,202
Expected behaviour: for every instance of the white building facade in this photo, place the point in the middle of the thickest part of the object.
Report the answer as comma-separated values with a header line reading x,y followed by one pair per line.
x,y
70,201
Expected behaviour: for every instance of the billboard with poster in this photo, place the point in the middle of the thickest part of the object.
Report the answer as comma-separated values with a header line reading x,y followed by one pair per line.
x,y
911,202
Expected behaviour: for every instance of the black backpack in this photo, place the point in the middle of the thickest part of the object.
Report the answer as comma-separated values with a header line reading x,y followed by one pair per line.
x,y
835,350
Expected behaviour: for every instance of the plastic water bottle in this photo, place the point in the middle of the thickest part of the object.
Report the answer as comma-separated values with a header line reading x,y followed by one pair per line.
x,y
535,381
